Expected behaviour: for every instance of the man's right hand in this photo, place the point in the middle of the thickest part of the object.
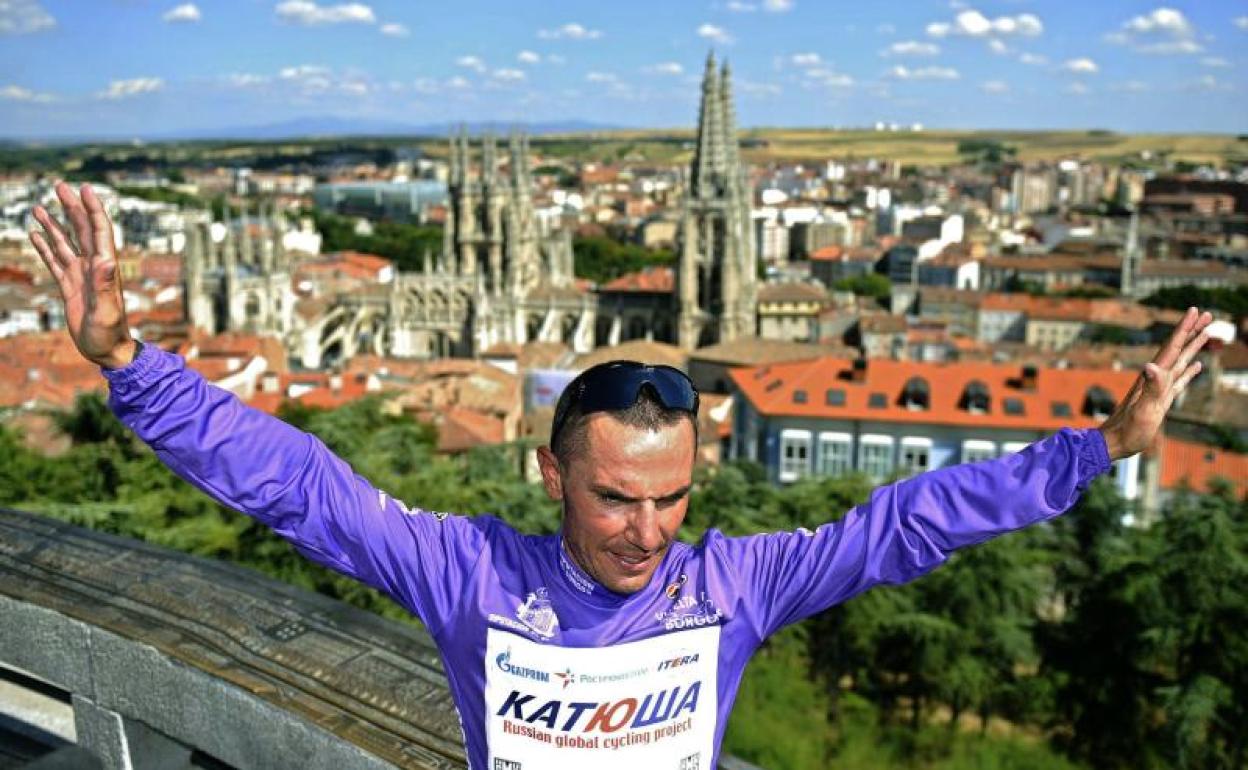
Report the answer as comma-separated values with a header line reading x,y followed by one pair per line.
x,y
87,276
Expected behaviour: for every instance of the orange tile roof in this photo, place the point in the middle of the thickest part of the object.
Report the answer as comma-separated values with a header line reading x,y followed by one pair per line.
x,y
827,253
1198,464
770,390
652,279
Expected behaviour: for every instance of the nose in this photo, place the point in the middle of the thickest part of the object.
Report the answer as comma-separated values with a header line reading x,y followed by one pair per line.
x,y
643,527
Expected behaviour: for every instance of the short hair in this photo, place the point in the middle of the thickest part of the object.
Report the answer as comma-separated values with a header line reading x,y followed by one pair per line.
x,y
646,412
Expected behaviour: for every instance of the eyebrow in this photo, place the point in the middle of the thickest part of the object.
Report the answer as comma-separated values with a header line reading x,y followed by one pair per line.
x,y
612,493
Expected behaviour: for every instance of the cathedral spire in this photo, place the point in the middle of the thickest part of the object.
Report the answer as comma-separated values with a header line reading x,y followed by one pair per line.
x,y
708,155
732,161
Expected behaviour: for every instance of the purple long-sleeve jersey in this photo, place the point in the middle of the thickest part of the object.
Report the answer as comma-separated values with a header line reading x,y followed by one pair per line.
x,y
549,669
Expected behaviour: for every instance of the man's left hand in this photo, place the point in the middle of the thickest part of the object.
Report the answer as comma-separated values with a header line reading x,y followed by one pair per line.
x,y
1134,424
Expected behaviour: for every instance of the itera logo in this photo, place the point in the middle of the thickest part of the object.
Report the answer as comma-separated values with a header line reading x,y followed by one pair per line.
x,y
691,762
506,764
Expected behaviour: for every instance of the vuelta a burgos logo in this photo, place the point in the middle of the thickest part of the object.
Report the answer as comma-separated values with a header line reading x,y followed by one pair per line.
x,y
689,612
538,614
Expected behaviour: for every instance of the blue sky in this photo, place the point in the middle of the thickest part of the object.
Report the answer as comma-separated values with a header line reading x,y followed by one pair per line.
x,y
118,66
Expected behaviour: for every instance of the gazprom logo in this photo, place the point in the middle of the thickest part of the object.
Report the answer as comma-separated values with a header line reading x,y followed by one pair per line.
x,y
503,661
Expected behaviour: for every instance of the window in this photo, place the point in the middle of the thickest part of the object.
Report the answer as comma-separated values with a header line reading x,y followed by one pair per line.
x,y
875,455
835,397
1061,409
1010,447
916,395
974,450
799,396
1014,407
916,454
835,457
975,398
877,401
794,454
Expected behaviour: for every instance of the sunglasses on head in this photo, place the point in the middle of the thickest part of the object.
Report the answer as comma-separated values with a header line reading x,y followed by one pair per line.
x,y
616,385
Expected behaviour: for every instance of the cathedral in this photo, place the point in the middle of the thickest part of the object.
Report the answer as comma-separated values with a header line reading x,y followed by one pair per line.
x,y
717,278
502,275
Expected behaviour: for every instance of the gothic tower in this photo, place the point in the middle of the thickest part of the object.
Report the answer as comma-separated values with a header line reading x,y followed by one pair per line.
x,y
717,283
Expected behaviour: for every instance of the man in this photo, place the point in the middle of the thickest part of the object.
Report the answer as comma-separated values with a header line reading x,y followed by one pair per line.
x,y
610,644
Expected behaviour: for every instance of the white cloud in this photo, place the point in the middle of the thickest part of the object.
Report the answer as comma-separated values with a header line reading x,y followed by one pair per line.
x,y
1165,20
665,68
528,57
912,48
924,73
302,71
736,6
777,6
1131,86
309,13
121,89
994,86
473,63
714,34
425,86
1215,61
508,74
19,94
394,29
21,17
886,29
809,59
554,58
184,12
601,77
1033,59
826,77
458,83
1078,89
1208,83
1240,21
972,23
998,46
245,80
1081,66
1161,31
570,31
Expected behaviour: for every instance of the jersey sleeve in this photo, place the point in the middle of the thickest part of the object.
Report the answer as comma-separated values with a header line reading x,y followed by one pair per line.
x,y
908,528
291,482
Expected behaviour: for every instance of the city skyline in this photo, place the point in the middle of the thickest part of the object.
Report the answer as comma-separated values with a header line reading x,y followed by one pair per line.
x,y
169,67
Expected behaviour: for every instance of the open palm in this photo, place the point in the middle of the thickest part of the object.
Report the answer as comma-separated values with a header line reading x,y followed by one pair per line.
x,y
1134,424
87,276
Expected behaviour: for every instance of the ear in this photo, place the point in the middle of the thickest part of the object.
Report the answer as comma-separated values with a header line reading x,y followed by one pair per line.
x,y
552,476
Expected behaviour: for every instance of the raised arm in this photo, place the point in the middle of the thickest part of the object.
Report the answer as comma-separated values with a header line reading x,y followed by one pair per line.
x,y
912,526
242,457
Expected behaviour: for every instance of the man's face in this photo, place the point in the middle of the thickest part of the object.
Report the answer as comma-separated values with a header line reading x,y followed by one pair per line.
x,y
624,498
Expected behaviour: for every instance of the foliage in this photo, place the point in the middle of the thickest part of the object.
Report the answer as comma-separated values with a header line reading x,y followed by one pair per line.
x,y
1233,301
406,244
601,259
871,285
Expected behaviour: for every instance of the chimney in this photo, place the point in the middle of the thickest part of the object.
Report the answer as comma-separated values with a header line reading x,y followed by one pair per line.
x,y
1030,375
269,382
859,372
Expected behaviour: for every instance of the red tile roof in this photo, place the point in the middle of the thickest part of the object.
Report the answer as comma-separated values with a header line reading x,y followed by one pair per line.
x,y
770,390
651,279
1198,464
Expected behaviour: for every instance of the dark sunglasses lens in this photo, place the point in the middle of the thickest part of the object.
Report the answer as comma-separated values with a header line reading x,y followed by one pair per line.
x,y
674,389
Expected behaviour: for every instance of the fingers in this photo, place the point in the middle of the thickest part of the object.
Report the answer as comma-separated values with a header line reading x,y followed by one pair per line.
x,y
77,217
1170,351
61,247
45,254
1189,352
1186,377
101,227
